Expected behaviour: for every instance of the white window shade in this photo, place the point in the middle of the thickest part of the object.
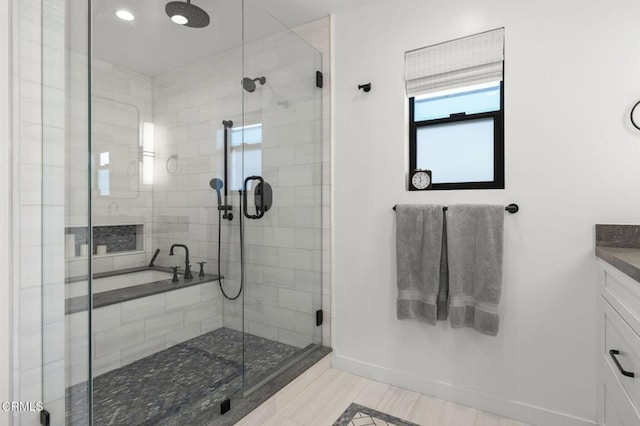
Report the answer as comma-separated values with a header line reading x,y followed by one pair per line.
x,y
462,62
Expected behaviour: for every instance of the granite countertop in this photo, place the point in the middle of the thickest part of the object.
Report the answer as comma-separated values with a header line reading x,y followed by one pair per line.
x,y
619,245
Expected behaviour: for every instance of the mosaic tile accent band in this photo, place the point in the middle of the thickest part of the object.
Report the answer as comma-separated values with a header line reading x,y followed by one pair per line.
x,y
181,385
359,415
118,238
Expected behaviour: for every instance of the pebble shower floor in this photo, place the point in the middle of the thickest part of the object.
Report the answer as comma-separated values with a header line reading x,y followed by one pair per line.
x,y
181,385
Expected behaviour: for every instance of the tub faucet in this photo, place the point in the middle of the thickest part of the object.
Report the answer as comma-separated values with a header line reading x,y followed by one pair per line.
x,y
187,264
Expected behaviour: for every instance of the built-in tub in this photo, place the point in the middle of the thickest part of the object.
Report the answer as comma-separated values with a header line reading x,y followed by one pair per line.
x,y
136,312
115,281
120,286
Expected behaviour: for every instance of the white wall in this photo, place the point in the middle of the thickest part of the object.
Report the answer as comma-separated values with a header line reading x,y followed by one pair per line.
x,y
572,72
5,211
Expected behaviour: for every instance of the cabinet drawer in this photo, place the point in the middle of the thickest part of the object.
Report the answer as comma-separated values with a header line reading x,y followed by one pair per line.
x,y
618,408
620,337
622,291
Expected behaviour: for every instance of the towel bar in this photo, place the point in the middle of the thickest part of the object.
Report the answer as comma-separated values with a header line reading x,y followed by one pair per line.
x,y
511,208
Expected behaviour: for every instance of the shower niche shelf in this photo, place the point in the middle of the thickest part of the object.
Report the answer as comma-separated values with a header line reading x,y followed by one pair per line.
x,y
108,240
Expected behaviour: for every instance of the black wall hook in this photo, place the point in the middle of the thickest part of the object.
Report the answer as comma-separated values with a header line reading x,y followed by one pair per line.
x,y
631,115
366,87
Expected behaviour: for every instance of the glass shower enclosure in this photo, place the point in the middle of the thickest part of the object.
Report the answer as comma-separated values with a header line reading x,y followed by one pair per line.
x,y
192,221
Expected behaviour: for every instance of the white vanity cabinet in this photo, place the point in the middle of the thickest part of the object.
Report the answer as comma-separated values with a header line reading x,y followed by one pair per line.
x,y
618,347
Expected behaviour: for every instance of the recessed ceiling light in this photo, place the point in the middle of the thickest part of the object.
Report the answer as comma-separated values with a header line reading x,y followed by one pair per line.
x,y
179,19
125,15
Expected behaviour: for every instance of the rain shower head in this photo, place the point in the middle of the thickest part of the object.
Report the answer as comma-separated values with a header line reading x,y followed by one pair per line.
x,y
249,84
187,14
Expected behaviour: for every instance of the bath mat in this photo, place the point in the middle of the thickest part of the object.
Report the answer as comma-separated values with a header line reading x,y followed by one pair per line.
x,y
359,415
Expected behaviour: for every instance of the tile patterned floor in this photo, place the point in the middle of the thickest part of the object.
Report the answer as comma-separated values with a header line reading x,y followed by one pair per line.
x,y
181,385
320,396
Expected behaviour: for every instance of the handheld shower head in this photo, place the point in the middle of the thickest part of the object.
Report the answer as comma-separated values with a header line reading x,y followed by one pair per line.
x,y
217,184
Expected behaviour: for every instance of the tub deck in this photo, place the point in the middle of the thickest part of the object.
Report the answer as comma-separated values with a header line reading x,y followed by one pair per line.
x,y
111,297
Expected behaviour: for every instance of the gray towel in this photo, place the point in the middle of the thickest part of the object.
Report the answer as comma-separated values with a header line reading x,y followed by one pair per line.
x,y
475,241
419,241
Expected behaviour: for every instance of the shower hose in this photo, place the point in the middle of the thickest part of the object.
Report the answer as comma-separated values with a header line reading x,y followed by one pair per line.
x,y
241,253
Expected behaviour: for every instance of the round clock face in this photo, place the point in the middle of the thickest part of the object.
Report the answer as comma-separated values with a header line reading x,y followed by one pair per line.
x,y
420,180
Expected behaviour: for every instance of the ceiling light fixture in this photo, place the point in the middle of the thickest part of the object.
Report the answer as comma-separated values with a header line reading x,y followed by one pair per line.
x,y
125,15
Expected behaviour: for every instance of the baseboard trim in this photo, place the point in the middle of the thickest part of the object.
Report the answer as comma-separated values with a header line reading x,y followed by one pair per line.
x,y
494,404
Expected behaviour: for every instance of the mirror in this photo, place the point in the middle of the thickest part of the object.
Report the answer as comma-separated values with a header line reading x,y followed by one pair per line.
x,y
115,135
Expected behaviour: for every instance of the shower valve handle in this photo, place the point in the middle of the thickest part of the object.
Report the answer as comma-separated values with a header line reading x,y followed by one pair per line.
x,y
175,274
201,274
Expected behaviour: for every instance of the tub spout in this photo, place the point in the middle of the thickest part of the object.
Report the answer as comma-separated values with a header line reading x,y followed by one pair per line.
x,y
187,264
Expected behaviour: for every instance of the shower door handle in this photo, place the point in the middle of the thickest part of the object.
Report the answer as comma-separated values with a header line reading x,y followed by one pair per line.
x,y
259,211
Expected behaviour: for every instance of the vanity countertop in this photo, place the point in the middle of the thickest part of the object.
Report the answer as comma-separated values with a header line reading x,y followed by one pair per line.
x,y
619,245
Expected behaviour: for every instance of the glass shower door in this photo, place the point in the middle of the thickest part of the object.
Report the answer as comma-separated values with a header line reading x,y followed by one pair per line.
x,y
66,268
282,160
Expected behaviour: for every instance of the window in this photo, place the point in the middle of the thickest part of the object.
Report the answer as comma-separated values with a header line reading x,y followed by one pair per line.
x,y
103,174
456,111
459,136
247,140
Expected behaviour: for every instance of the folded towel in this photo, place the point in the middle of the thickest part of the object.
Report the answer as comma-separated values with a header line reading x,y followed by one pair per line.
x,y
475,242
419,256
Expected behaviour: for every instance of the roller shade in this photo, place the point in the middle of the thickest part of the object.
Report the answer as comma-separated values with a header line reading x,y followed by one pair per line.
x,y
457,63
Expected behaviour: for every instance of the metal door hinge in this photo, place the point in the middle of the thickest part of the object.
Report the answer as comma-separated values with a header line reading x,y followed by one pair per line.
x,y
319,315
225,406
45,418
319,79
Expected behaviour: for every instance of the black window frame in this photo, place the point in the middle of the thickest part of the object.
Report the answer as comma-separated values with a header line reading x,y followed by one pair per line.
x,y
498,144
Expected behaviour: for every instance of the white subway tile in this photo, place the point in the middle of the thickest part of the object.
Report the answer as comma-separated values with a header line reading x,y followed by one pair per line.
x,y
30,308
280,277
296,259
161,325
189,331
143,308
211,324
139,350
106,363
116,339
183,297
262,330
200,312
295,300
107,317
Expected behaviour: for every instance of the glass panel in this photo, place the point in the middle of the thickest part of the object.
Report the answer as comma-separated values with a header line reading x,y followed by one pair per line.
x,y
282,249
470,100
457,152
246,154
65,179
160,94
151,180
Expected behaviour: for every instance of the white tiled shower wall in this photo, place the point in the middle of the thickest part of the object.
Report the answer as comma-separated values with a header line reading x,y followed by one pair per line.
x,y
38,206
285,261
121,102
126,332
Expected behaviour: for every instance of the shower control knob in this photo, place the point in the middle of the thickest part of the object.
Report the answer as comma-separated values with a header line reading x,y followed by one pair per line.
x,y
201,274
